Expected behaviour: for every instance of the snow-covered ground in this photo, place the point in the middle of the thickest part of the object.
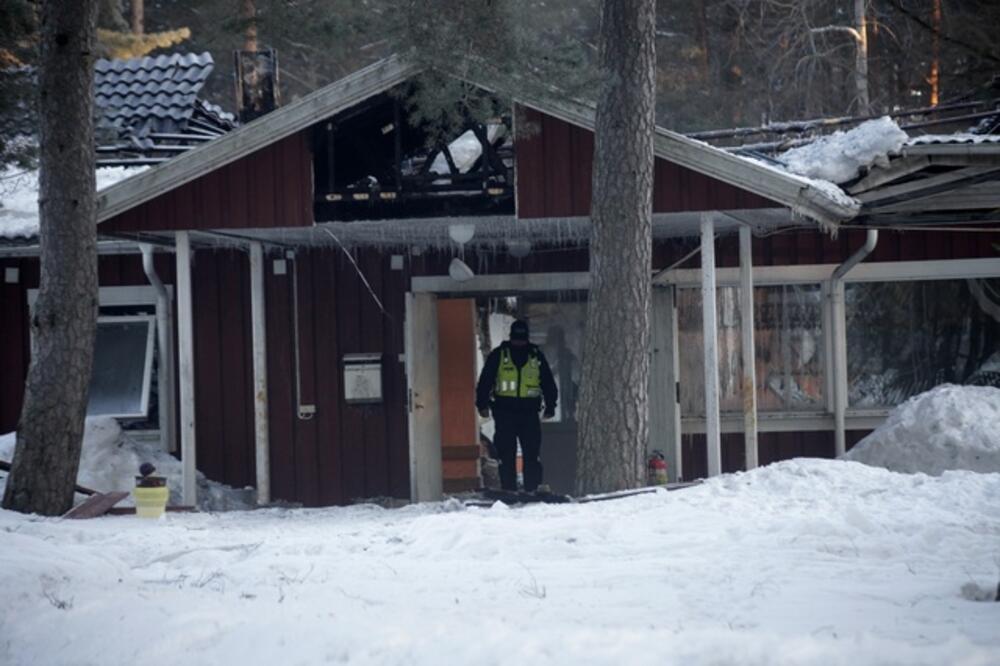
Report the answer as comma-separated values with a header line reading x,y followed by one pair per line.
x,y
110,459
801,562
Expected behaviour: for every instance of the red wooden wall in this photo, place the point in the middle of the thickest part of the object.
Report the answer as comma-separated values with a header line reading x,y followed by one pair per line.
x,y
113,271
271,187
345,451
554,167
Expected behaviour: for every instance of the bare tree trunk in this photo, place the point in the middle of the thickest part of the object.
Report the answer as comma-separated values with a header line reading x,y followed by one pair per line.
x,y
614,401
935,77
861,56
138,16
64,318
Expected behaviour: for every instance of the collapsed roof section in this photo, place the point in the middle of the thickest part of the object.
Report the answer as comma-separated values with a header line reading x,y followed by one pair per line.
x,y
815,200
149,110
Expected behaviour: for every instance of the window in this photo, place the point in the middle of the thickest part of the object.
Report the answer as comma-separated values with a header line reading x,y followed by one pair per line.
x,y
788,336
123,364
904,338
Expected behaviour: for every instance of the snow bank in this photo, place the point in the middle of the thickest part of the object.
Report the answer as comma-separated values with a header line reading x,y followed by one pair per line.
x,y
838,157
19,197
806,562
947,428
110,459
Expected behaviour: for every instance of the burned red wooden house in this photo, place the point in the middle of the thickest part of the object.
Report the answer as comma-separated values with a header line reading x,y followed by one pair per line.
x,y
320,278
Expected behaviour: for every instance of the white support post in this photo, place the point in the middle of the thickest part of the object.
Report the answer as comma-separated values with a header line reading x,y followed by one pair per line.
x,y
423,382
185,338
262,446
677,474
749,386
710,333
661,381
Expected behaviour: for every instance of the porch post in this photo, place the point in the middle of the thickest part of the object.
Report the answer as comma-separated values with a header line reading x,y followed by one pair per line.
x,y
426,483
749,386
262,445
185,343
710,335
838,320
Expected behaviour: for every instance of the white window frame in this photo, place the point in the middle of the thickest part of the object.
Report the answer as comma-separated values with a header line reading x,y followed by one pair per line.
x,y
147,373
136,295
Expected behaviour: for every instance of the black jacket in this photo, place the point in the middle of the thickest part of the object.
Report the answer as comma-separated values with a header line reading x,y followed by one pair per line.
x,y
519,355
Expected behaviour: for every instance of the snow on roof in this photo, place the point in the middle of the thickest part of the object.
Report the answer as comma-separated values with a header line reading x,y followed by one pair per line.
x,y
19,198
961,137
830,189
838,157
947,428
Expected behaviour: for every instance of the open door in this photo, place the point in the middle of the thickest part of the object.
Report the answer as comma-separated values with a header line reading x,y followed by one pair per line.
x,y
423,391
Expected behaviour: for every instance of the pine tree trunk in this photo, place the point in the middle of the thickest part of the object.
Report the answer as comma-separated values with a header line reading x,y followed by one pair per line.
x,y
613,410
64,318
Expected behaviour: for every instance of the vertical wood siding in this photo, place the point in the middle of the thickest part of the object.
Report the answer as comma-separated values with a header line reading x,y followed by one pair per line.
x,y
345,451
271,187
555,162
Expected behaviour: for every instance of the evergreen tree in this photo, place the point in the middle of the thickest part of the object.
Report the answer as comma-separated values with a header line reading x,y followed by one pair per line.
x,y
64,317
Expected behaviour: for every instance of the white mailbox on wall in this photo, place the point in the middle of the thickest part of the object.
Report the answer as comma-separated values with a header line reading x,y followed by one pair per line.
x,y
362,378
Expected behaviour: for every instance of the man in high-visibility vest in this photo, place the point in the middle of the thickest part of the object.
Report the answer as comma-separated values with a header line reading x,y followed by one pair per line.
x,y
514,381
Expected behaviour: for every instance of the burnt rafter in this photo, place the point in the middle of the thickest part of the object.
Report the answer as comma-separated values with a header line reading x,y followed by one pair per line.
x,y
371,162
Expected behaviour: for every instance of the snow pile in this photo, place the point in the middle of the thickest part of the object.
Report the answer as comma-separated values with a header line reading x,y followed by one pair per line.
x,y
19,197
804,562
110,459
838,157
947,428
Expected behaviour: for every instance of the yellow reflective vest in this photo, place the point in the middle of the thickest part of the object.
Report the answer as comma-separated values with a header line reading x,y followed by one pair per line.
x,y
514,382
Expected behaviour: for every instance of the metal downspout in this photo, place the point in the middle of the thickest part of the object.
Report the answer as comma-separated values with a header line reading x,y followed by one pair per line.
x,y
839,322
165,374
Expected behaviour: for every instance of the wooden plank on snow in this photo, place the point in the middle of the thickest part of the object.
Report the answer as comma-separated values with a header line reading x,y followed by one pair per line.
x,y
96,505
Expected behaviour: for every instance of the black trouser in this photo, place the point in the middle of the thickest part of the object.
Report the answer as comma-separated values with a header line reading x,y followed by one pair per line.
x,y
512,426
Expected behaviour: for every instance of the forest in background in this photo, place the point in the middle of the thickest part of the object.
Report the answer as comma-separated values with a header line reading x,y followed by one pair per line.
x,y
720,63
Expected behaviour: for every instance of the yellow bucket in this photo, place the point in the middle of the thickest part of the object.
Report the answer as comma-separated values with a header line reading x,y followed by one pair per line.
x,y
150,502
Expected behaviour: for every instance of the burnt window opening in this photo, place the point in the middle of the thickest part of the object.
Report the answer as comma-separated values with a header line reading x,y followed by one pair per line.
x,y
370,162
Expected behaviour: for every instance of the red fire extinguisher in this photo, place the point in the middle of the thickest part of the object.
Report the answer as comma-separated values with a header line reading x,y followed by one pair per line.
x,y
656,468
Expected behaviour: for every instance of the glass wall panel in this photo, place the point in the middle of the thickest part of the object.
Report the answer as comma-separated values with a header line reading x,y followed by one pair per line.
x,y
904,338
788,330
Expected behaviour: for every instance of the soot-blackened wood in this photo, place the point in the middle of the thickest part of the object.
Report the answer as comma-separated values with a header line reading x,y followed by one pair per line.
x,y
64,318
614,400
